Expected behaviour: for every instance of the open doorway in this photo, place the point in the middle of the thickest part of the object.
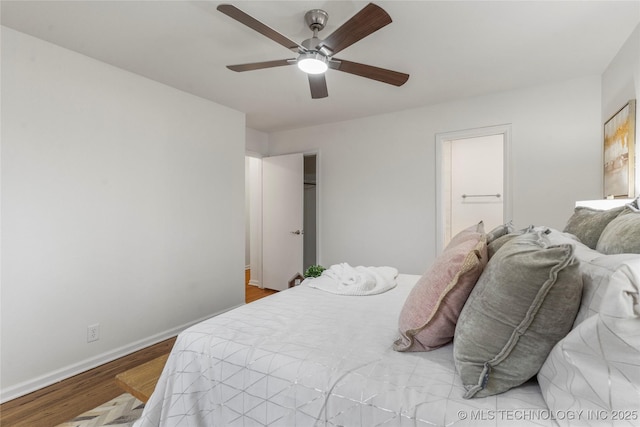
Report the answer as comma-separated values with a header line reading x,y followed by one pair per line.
x,y
310,211
472,180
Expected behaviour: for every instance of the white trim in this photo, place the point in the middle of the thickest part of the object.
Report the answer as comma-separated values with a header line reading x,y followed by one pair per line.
x,y
441,139
255,218
26,387
255,154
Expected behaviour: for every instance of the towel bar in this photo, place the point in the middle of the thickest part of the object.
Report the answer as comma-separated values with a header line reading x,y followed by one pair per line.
x,y
464,196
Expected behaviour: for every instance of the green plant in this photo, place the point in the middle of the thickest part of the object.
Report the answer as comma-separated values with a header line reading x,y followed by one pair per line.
x,y
314,271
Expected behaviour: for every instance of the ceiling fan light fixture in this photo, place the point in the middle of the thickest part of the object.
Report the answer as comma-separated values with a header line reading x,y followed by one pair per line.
x,y
313,63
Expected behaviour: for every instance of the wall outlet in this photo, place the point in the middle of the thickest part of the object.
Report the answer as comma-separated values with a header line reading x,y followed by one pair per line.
x,y
93,332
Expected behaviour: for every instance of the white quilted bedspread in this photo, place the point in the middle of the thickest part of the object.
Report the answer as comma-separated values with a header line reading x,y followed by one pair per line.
x,y
304,357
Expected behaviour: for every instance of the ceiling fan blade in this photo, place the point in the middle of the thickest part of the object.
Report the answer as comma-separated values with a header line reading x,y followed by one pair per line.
x,y
369,20
258,26
260,65
369,71
318,85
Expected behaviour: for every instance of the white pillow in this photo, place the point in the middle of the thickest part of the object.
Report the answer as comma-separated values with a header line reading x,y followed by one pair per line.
x,y
596,270
594,372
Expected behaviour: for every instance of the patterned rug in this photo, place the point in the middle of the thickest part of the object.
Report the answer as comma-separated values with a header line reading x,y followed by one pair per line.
x,y
119,412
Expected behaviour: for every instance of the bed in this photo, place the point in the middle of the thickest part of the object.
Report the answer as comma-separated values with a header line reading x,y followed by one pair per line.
x,y
306,357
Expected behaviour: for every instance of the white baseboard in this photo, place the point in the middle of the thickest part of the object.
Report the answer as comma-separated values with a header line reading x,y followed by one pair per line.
x,y
26,387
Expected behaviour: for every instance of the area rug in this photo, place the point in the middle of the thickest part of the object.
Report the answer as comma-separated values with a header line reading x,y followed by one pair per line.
x,y
119,412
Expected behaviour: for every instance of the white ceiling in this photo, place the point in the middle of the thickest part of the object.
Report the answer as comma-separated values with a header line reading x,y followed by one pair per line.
x,y
451,49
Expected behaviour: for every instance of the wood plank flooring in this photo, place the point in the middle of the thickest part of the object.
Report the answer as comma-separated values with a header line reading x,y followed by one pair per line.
x,y
252,293
67,399
64,400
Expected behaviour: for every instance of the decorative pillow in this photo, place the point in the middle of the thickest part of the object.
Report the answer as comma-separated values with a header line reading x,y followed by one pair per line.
x,y
523,304
429,315
493,246
621,235
596,367
595,277
499,231
587,224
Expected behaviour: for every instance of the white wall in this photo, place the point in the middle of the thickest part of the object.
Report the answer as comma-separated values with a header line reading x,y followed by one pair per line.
x,y
257,143
377,198
122,205
620,83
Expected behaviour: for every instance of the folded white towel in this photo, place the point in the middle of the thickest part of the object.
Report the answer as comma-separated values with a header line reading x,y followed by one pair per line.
x,y
344,279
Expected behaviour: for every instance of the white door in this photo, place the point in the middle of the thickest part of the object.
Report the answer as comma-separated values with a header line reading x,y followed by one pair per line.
x,y
282,219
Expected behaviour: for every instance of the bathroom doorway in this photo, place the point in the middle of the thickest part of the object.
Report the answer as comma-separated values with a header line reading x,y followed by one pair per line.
x,y
472,180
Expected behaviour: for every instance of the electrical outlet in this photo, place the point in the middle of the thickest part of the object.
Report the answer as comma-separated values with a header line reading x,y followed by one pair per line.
x,y
93,332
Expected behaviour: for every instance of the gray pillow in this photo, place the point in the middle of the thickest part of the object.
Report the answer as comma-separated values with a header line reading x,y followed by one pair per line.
x,y
497,243
622,235
500,231
523,304
587,224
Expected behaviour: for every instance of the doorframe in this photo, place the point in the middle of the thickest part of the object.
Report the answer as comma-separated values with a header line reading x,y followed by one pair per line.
x,y
441,139
255,220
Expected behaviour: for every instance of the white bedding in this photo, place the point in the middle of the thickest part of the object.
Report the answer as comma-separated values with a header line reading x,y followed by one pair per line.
x,y
358,281
304,357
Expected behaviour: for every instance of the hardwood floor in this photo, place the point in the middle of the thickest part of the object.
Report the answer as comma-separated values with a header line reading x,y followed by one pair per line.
x,y
252,293
67,399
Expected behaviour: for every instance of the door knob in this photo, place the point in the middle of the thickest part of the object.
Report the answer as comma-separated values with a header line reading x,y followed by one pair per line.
x,y
297,232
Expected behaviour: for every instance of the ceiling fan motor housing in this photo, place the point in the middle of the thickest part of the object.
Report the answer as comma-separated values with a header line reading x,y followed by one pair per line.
x,y
316,19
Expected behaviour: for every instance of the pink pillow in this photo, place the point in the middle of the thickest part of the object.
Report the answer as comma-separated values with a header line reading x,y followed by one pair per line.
x,y
430,313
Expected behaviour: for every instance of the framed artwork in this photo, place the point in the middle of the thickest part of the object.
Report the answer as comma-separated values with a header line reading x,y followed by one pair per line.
x,y
619,153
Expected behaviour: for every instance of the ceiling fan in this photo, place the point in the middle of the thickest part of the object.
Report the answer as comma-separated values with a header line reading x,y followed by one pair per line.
x,y
315,55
